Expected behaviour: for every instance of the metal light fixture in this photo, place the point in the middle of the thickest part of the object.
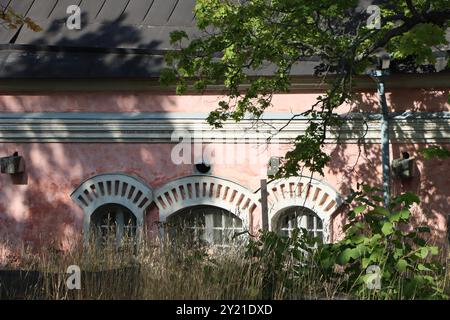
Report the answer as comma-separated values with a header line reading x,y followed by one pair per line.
x,y
383,64
385,61
274,166
403,167
13,164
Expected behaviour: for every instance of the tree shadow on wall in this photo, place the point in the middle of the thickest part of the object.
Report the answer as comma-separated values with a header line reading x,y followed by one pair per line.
x,y
36,209
363,164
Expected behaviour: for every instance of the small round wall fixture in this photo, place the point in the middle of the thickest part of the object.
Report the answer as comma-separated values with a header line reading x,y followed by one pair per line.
x,y
202,168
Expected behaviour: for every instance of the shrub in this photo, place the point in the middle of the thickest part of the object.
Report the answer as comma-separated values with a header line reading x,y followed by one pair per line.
x,y
384,239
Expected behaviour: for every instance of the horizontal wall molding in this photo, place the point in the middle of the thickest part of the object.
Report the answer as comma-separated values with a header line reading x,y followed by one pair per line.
x,y
160,127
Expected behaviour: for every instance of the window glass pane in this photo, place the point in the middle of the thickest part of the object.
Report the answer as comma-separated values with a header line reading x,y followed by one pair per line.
x,y
310,222
319,223
113,224
299,217
301,222
214,225
320,236
217,219
217,236
202,234
286,219
228,221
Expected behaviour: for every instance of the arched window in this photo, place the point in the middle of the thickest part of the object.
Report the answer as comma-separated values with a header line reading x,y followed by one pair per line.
x,y
300,218
205,225
302,202
108,193
183,196
113,223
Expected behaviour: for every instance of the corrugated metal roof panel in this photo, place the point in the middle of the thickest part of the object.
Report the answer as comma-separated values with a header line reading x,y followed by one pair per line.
x,y
21,6
112,10
160,12
104,23
183,14
90,9
94,35
136,11
41,9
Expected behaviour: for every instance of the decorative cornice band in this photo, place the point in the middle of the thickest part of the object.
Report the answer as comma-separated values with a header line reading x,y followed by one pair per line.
x,y
160,128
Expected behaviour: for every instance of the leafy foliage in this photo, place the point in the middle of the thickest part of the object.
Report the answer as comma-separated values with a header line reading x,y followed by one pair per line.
x,y
375,236
240,38
435,152
382,237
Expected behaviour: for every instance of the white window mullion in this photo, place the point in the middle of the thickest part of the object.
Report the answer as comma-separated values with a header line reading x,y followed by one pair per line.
x,y
119,227
209,227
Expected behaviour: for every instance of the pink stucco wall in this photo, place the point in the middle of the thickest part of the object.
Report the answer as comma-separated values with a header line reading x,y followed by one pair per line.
x,y
398,100
37,208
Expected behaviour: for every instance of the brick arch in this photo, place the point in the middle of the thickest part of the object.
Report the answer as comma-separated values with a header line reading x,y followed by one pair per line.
x,y
311,193
205,190
112,188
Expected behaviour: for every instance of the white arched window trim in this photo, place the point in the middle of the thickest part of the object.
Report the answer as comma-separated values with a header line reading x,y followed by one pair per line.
x,y
198,190
112,188
307,192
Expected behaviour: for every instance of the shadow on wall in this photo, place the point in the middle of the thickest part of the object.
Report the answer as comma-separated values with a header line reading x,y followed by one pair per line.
x,y
36,209
431,179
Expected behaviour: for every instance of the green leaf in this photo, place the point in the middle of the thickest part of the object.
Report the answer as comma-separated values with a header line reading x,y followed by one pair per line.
x,y
359,209
422,267
377,198
423,252
181,88
177,35
381,210
358,238
365,262
401,265
433,250
398,253
401,215
345,256
407,198
404,214
387,228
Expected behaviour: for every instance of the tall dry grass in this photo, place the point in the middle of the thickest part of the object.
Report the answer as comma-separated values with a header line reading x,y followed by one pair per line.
x,y
164,270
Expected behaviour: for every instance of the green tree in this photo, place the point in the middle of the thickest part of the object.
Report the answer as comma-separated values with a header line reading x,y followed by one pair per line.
x,y
239,36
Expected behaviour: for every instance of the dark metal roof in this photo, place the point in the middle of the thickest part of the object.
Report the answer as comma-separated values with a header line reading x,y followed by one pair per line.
x,y
105,23
118,38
